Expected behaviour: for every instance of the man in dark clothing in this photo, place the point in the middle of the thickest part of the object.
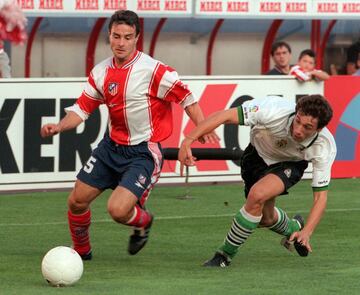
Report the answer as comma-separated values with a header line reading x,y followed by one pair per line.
x,y
281,55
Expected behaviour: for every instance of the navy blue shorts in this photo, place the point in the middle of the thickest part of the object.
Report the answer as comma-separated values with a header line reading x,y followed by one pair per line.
x,y
253,168
135,167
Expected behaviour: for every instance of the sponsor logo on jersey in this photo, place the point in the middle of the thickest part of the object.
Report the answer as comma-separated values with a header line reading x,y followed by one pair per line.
x,y
113,88
253,109
281,143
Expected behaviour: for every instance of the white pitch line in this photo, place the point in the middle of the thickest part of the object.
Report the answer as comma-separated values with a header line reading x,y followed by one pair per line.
x,y
170,217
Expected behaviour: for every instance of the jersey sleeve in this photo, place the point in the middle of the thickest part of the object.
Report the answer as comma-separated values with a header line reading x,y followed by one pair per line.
x,y
261,111
166,85
324,157
299,73
90,99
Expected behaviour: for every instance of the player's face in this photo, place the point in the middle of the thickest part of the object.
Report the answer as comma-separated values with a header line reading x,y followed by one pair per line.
x,y
123,41
307,63
303,127
282,57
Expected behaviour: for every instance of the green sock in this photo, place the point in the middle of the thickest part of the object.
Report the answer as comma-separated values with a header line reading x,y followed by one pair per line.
x,y
242,227
284,225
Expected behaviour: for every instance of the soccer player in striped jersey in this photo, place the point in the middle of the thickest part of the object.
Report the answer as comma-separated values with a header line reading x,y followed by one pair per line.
x,y
284,137
138,92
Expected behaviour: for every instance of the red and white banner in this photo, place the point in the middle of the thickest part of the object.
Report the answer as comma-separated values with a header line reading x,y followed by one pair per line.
x,y
312,9
28,161
105,8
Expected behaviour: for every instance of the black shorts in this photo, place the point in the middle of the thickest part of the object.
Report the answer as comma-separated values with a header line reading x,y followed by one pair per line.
x,y
253,168
136,167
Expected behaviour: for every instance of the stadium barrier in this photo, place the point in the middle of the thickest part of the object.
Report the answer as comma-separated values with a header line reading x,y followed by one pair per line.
x,y
206,153
234,154
28,161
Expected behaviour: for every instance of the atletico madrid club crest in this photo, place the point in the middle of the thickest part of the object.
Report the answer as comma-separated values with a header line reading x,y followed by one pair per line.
x,y
113,88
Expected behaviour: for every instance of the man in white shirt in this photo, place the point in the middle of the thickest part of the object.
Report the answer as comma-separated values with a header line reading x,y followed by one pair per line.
x,y
284,137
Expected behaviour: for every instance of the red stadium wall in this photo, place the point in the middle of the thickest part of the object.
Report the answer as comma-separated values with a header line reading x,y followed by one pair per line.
x,y
343,92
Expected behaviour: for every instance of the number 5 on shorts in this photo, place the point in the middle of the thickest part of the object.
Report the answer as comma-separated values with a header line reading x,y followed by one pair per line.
x,y
89,166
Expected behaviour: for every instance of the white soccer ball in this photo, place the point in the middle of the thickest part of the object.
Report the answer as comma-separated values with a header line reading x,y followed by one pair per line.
x,y
62,266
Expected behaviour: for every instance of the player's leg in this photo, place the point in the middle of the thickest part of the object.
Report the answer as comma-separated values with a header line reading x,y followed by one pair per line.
x,y
121,205
79,217
277,220
124,207
127,203
289,173
94,177
247,219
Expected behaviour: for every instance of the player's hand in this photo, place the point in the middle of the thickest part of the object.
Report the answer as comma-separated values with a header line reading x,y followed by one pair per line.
x,y
49,130
303,238
210,137
185,155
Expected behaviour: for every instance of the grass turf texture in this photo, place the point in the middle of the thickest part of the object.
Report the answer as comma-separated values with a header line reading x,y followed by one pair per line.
x,y
185,233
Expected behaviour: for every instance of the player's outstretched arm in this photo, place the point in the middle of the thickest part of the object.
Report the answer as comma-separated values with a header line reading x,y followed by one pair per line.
x,y
196,115
204,127
70,121
316,212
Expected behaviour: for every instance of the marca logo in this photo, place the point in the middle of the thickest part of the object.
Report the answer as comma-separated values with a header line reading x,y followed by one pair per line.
x,y
87,5
51,4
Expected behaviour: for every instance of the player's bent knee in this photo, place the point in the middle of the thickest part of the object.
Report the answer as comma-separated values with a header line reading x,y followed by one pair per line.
x,y
76,206
118,214
256,198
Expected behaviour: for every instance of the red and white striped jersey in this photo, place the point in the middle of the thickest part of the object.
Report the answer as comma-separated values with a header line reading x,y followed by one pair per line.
x,y
138,96
300,74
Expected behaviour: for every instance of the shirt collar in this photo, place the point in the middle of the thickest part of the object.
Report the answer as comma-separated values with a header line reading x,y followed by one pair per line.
x,y
130,62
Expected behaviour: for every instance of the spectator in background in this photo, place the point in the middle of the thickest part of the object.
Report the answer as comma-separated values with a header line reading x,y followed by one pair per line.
x,y
305,70
350,66
357,73
5,70
281,55
352,58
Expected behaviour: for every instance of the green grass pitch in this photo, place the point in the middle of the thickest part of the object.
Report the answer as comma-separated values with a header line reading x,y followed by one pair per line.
x,y
185,233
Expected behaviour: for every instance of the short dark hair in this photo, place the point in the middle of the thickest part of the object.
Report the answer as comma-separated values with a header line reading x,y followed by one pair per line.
x,y
317,107
308,52
279,44
125,17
